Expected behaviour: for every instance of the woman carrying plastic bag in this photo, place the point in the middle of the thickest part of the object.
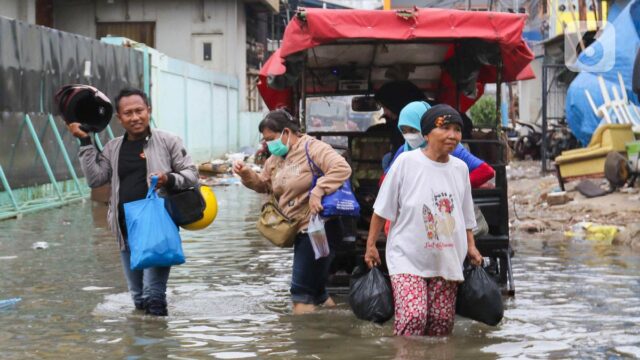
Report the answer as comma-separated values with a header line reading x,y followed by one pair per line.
x,y
427,198
289,178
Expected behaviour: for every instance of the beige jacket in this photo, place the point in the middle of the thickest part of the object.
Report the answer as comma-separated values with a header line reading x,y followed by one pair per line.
x,y
289,178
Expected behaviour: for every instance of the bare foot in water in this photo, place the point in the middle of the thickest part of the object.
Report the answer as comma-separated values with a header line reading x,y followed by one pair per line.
x,y
329,303
300,308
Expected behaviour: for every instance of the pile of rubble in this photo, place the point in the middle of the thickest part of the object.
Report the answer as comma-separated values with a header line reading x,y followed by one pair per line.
x,y
538,206
219,172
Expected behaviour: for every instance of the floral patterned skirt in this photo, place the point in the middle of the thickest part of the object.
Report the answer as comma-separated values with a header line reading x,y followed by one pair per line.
x,y
423,306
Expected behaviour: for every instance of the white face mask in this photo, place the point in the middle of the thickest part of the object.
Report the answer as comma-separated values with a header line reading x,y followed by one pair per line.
x,y
415,140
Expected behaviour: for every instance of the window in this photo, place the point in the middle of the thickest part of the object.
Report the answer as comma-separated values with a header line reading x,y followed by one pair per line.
x,y
206,51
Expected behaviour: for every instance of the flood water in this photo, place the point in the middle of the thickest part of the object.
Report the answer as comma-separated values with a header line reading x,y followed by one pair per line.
x,y
574,299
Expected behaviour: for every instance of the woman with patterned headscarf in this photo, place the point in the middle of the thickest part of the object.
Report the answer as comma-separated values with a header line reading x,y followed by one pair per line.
x,y
427,197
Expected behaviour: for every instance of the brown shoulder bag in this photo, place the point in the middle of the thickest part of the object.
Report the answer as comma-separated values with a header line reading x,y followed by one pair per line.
x,y
275,226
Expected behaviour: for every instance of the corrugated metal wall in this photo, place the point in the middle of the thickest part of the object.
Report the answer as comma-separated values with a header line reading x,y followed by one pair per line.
x,y
39,167
38,157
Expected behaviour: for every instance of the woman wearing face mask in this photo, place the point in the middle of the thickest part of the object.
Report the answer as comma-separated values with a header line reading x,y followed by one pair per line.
x,y
409,125
288,176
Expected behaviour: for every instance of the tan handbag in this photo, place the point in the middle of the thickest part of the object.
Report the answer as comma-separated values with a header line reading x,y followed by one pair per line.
x,y
275,226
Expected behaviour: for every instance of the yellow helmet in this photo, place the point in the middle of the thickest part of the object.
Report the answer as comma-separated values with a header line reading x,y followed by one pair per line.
x,y
210,210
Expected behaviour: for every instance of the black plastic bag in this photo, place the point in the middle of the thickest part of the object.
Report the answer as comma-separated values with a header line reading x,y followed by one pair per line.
x,y
479,297
370,295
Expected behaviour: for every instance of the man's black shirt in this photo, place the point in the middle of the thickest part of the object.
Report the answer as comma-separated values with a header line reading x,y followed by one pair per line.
x,y
132,171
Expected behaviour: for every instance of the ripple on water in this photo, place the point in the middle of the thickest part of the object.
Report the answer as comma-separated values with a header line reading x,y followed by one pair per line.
x,y
234,355
231,300
629,350
527,348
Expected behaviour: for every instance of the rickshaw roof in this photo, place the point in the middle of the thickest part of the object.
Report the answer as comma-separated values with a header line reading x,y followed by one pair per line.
x,y
418,42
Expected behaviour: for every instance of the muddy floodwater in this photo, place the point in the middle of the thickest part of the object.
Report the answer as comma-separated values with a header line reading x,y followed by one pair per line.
x,y
574,299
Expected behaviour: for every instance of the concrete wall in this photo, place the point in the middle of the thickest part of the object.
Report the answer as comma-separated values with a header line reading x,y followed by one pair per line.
x,y
198,104
530,91
24,10
181,28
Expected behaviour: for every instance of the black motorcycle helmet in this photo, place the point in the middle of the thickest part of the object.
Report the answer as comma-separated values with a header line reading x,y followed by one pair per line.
x,y
86,105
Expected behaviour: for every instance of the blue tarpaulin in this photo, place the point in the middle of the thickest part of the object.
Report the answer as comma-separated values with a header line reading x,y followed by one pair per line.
x,y
617,46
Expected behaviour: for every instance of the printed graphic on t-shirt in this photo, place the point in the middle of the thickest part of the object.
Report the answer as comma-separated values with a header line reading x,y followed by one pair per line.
x,y
429,223
439,221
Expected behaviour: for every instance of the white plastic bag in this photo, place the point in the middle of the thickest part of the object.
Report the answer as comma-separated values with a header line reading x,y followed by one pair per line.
x,y
318,237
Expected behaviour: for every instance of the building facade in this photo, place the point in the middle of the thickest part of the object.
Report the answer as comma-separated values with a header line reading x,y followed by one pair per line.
x,y
214,34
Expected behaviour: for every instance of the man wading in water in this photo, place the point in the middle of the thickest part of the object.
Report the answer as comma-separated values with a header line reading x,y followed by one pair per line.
x,y
127,163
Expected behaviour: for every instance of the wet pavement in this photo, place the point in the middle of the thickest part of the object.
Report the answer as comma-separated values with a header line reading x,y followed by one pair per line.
x,y
574,299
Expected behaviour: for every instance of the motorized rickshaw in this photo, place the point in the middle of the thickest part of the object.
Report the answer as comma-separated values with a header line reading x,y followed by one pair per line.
x,y
449,54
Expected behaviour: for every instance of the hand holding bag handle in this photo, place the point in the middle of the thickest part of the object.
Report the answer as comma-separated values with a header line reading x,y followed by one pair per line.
x,y
341,202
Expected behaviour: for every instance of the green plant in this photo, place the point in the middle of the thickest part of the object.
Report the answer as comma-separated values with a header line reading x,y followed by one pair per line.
x,y
483,113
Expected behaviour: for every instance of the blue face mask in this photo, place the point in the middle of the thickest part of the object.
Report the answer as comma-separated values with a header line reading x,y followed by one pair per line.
x,y
277,148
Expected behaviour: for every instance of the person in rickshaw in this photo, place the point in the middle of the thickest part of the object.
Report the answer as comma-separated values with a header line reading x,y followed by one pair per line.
x,y
410,103
395,96
427,197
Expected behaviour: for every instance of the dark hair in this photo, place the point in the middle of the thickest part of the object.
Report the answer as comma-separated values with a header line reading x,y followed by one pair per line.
x,y
395,95
130,92
278,120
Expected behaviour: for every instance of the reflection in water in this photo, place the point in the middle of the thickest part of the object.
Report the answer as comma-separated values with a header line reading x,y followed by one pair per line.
x,y
231,299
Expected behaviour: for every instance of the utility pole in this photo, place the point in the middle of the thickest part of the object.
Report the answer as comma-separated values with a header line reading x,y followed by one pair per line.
x,y
582,10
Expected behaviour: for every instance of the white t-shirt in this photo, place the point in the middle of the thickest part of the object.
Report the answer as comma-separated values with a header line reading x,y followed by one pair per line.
x,y
430,208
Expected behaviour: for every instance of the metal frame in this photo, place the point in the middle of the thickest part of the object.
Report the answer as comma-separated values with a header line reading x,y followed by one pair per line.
x,y
545,119
58,192
32,202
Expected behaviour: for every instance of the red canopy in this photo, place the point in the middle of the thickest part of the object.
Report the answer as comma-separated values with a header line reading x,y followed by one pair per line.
x,y
275,99
442,27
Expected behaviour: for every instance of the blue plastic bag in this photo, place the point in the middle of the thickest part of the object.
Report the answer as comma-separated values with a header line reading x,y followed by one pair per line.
x,y
154,239
341,202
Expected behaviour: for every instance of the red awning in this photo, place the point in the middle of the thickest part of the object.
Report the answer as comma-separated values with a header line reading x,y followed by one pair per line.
x,y
443,27
275,99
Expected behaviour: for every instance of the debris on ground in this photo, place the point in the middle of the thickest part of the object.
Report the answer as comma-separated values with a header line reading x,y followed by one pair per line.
x,y
557,198
531,226
221,181
629,235
531,210
219,172
215,167
593,232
